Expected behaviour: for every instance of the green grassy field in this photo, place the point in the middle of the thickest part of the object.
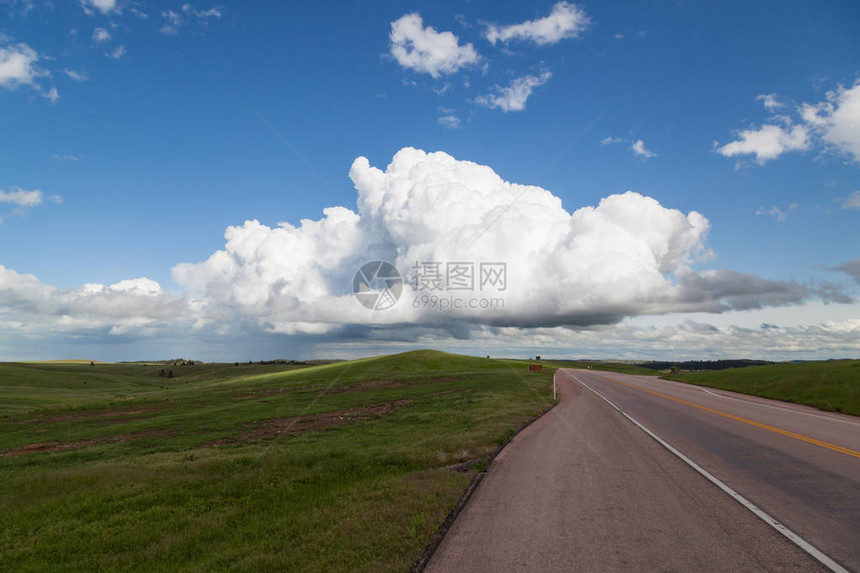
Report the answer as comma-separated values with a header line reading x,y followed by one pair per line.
x,y
342,467
832,385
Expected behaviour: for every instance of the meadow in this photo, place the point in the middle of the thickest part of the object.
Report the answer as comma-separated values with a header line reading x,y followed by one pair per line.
x,y
350,466
832,385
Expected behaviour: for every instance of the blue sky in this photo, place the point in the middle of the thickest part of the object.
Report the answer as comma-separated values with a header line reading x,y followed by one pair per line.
x,y
134,133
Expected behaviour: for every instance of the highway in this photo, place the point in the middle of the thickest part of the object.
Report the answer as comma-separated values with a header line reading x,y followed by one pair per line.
x,y
585,488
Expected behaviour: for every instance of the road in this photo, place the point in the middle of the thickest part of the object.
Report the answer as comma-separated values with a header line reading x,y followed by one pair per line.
x,y
586,489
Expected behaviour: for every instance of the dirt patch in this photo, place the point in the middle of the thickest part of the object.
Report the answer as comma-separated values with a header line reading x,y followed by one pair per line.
x,y
360,387
321,421
464,466
95,415
218,442
370,385
58,447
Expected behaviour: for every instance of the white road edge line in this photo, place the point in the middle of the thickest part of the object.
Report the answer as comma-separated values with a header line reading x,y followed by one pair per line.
x,y
792,536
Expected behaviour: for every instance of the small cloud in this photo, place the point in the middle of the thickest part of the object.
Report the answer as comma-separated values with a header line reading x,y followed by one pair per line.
x,y
101,6
768,142
852,201
18,67
59,157
618,36
21,197
514,96
100,35
118,53
210,13
173,21
425,50
777,213
609,140
829,125
53,95
56,199
565,20
639,149
770,102
449,121
77,76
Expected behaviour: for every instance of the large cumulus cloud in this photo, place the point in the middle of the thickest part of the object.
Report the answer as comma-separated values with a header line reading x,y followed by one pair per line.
x,y
629,255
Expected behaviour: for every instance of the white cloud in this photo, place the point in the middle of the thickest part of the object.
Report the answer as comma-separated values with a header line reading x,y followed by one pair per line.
x,y
101,35
77,76
832,125
564,21
852,201
779,214
767,142
117,53
23,201
514,96
627,256
102,6
639,149
449,121
427,51
60,157
53,95
118,307
173,21
837,120
18,67
770,101
21,197
210,13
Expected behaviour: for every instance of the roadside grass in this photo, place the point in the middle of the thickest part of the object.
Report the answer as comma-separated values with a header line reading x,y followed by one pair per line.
x,y
192,474
832,385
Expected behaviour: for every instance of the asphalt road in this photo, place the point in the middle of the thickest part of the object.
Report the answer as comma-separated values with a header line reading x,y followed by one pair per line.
x,y
585,489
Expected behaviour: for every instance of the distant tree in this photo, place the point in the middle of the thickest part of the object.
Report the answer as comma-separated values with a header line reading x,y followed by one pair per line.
x,y
235,364
161,372
92,363
170,373
675,370
537,357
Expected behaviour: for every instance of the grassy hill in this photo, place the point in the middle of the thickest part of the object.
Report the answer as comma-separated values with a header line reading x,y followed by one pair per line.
x,y
830,385
340,467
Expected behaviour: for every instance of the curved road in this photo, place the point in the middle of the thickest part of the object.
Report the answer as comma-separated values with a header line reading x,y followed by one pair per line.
x,y
586,489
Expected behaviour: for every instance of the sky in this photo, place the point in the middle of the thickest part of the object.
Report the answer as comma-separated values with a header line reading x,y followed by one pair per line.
x,y
636,180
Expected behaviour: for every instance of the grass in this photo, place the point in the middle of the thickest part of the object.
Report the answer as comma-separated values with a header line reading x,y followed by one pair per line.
x,y
832,385
137,472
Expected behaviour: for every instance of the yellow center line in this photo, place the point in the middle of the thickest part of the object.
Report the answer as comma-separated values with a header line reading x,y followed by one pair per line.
x,y
801,437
